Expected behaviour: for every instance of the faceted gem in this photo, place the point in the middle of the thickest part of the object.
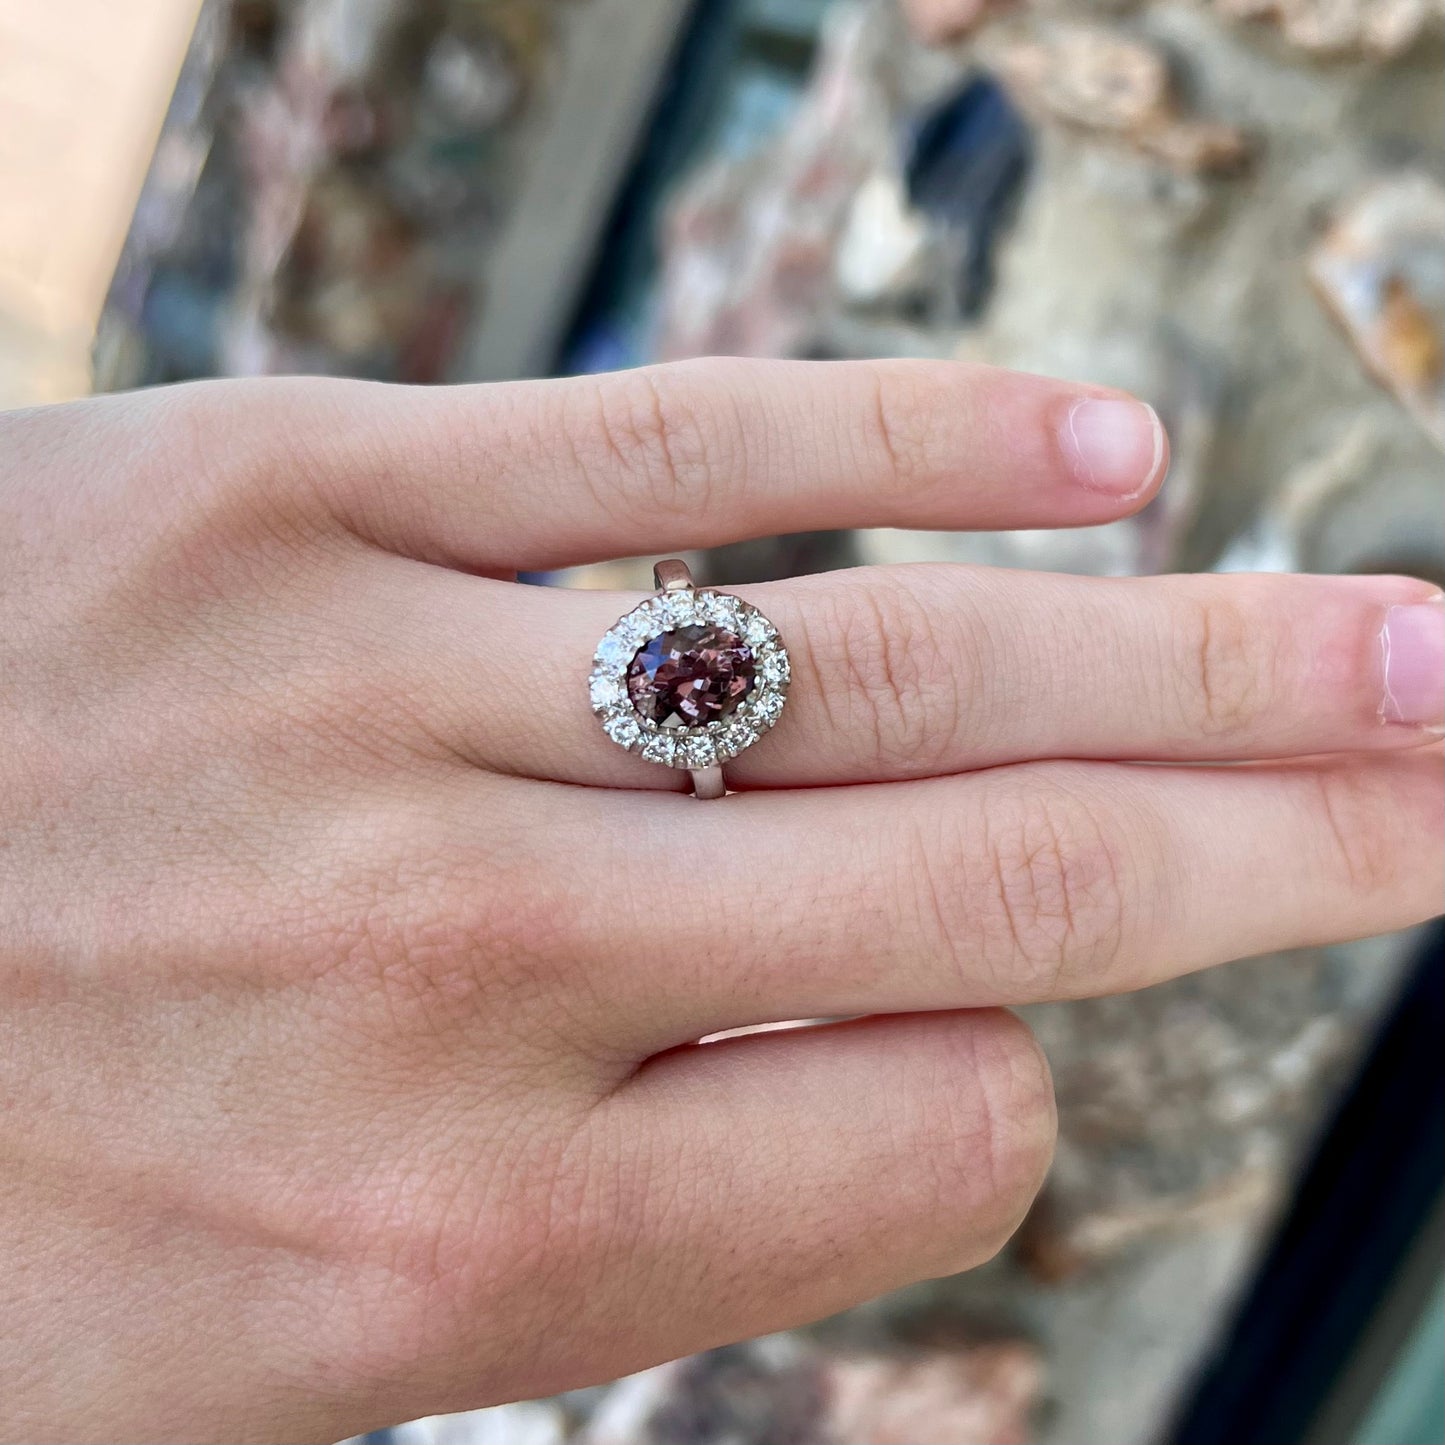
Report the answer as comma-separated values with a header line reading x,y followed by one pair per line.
x,y
690,676
624,731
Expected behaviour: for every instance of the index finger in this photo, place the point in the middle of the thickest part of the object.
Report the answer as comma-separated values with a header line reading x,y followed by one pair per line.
x,y
700,453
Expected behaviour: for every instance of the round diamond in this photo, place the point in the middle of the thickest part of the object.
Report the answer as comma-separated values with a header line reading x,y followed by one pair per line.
x,y
624,731
769,708
739,735
606,690
661,748
677,611
775,668
721,608
614,649
757,629
697,752
690,676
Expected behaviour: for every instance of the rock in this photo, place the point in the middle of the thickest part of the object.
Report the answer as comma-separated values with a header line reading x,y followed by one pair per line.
x,y
368,154
1182,1106
540,1422
1090,78
1361,507
471,81
986,1394
937,21
880,252
1108,85
751,243
781,1390
967,164
767,1392
889,190
1339,27
1380,270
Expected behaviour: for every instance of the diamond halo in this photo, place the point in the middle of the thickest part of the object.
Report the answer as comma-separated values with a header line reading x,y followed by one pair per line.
x,y
713,742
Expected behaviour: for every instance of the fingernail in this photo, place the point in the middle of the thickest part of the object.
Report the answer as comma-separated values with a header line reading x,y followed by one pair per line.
x,y
1114,445
1412,646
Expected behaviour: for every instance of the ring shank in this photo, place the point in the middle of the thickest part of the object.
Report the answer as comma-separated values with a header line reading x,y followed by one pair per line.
x,y
673,575
708,782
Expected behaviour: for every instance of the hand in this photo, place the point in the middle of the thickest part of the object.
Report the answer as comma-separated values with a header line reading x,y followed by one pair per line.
x,y
348,972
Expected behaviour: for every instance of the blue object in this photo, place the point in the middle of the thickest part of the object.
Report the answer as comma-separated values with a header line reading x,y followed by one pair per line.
x,y
967,159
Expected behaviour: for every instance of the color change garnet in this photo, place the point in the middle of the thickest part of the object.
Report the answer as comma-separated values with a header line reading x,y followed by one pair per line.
x,y
690,676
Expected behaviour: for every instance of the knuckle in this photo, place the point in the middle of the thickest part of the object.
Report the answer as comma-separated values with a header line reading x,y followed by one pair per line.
x,y
1349,812
430,943
648,442
431,1249
165,460
998,1124
1022,1118
901,427
1228,668
186,453
216,497
492,927
1047,894
888,667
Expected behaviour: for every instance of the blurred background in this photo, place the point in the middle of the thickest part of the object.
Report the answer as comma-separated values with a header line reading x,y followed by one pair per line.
x,y
1235,208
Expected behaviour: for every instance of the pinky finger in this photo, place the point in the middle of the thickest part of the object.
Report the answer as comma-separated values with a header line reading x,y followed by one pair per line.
x,y
823,1166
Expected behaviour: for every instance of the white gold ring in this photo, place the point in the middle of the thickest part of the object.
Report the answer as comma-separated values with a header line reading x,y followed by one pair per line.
x,y
689,678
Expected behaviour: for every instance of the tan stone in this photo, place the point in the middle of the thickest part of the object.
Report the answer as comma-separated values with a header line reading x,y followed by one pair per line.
x,y
983,1392
1380,271
1372,27
1101,82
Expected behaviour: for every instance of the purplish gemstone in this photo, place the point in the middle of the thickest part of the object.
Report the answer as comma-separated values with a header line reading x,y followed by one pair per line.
x,y
690,676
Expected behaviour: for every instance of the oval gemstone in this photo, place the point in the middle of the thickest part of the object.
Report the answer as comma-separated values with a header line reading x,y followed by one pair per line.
x,y
690,676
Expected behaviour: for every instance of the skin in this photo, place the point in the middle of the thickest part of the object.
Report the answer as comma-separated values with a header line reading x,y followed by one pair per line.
x,y
350,978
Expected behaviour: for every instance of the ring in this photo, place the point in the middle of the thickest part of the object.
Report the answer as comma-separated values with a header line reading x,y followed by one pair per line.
x,y
689,678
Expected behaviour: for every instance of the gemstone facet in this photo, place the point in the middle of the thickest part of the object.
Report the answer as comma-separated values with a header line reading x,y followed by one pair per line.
x,y
710,679
690,676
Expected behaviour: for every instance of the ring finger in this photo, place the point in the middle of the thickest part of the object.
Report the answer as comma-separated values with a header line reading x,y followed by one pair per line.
x,y
922,671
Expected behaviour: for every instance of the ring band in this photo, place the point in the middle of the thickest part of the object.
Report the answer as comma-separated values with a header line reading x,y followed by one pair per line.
x,y
689,678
